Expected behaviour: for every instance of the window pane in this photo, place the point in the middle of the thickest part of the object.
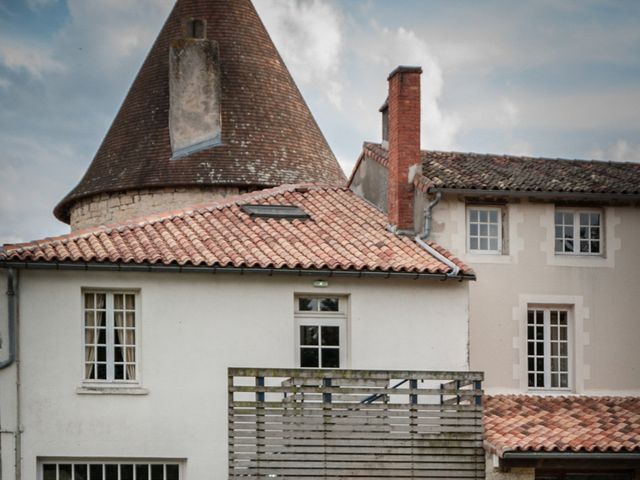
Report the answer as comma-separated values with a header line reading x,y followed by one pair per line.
x,y
118,371
111,472
532,380
142,472
554,380
530,348
484,216
331,336
493,216
96,472
309,357
564,380
130,302
568,246
584,246
584,219
64,472
540,380
540,348
308,335
329,305
595,219
131,320
126,472
540,364
330,358
493,244
307,304
49,471
101,374
595,247
173,472
559,245
157,472
118,302
484,230
595,233
473,229
473,216
473,243
80,472
484,245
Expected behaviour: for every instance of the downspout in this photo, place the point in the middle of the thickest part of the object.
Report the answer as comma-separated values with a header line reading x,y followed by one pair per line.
x,y
12,313
421,238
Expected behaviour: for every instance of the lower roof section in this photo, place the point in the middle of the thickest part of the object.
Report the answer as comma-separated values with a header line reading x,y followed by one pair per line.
x,y
521,427
341,233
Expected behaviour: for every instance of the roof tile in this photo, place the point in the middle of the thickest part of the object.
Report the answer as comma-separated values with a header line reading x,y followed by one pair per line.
x,y
344,232
561,423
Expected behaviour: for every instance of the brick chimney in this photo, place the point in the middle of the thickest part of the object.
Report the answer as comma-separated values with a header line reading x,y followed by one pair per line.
x,y
404,144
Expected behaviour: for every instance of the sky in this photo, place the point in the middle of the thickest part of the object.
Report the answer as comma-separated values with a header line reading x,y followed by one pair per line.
x,y
535,77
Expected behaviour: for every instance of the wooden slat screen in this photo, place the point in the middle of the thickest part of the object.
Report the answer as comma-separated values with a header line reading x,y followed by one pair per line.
x,y
312,424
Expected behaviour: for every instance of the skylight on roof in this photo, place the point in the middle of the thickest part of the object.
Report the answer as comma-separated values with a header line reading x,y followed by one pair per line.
x,y
289,212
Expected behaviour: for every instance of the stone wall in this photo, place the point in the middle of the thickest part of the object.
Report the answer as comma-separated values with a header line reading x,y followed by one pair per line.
x,y
115,207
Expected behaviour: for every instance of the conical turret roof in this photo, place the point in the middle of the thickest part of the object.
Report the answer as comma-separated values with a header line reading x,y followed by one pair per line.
x,y
268,135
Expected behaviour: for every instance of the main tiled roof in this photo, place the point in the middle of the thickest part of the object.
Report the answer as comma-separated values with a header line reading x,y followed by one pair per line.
x,y
269,136
344,232
560,423
474,171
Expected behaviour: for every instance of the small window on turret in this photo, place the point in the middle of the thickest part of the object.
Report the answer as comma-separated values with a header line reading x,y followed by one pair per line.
x,y
196,28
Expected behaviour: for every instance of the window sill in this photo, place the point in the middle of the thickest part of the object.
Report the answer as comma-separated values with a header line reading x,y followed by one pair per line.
x,y
111,390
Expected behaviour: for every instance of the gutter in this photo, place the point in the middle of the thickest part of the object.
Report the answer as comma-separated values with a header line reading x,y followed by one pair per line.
x,y
633,197
455,269
148,267
571,456
420,239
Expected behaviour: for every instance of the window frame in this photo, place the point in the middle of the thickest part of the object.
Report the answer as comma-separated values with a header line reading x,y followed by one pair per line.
x,y
110,332
322,319
576,211
488,208
547,308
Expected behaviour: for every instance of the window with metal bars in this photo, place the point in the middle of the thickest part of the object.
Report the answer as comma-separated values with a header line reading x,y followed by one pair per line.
x,y
110,471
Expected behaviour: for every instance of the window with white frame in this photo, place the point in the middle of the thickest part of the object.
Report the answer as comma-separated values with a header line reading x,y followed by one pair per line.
x,y
110,348
320,323
484,229
101,470
578,232
548,348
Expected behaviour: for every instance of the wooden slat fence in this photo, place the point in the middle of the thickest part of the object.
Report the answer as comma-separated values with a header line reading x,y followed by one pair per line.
x,y
322,424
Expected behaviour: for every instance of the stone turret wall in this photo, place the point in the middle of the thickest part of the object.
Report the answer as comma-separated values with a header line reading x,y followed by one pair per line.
x,y
120,206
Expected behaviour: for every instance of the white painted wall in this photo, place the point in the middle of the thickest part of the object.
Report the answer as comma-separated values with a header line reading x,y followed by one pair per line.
x,y
194,326
604,292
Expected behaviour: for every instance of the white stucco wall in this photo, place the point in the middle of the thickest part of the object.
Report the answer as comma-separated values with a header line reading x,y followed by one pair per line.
x,y
603,293
192,327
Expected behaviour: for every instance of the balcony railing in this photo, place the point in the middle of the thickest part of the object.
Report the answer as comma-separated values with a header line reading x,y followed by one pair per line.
x,y
303,423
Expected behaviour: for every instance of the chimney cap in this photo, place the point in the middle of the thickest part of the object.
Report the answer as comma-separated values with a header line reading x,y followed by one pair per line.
x,y
385,105
404,69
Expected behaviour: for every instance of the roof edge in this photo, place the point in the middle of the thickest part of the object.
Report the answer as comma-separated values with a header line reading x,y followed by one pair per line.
x,y
271,271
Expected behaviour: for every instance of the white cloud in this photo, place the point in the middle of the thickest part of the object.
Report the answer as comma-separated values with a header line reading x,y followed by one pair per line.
x,y
35,59
620,151
37,5
308,35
